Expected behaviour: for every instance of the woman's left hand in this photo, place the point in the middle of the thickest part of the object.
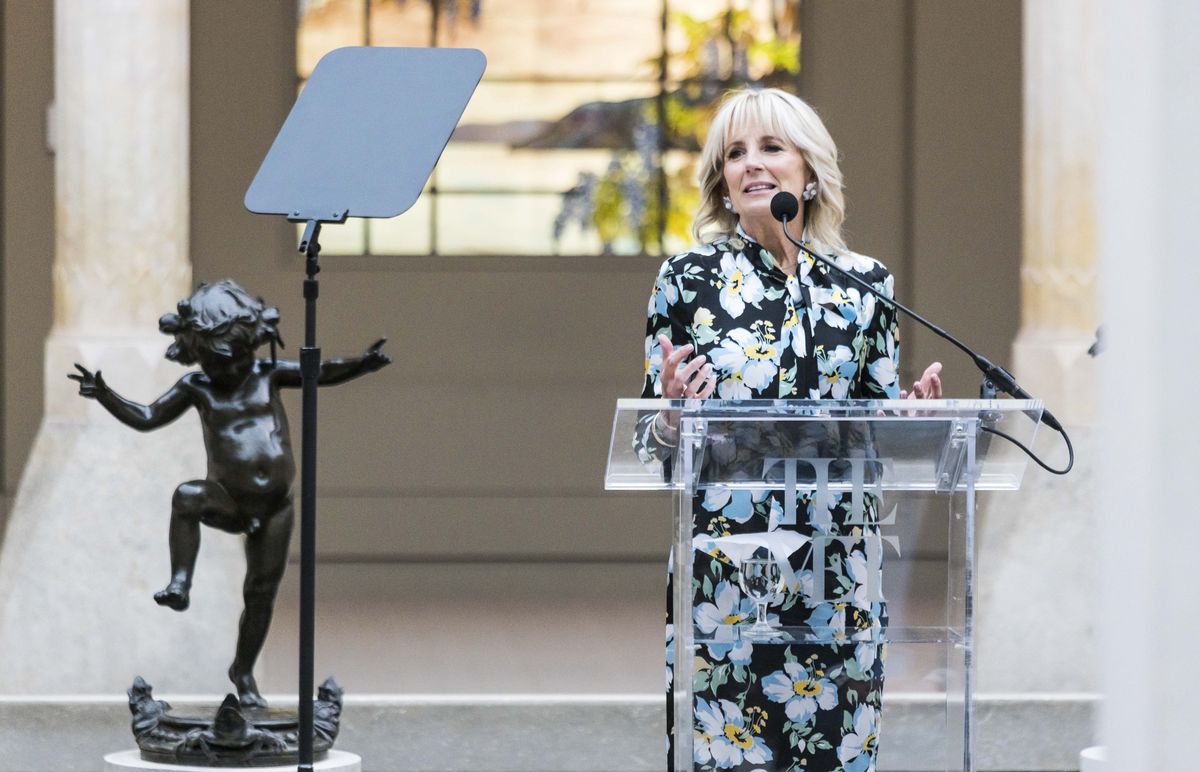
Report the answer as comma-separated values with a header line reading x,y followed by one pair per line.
x,y
930,385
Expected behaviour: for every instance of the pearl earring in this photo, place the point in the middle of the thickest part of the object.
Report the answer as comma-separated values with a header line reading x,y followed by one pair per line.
x,y
728,204
810,191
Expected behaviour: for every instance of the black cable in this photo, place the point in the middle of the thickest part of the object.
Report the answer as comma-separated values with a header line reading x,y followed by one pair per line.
x,y
1030,453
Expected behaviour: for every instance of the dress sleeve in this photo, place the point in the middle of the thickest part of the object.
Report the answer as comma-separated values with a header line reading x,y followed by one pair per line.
x,y
881,345
661,319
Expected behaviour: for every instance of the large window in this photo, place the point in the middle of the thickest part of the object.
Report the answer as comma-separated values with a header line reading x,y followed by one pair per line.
x,y
582,138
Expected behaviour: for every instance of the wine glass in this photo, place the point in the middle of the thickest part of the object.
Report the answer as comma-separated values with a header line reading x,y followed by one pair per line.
x,y
760,578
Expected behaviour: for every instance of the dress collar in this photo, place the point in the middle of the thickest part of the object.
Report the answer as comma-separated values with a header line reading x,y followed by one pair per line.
x,y
766,261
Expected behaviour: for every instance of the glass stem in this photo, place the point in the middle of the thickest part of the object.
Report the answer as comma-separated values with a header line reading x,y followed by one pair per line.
x,y
760,611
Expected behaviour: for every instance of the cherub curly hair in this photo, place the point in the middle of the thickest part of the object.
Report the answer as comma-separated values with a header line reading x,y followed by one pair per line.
x,y
221,317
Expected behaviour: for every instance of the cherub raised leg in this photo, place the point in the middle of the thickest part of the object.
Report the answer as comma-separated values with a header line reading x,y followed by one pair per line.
x,y
195,502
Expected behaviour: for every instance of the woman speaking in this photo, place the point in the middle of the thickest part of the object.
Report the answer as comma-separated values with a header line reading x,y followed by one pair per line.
x,y
748,315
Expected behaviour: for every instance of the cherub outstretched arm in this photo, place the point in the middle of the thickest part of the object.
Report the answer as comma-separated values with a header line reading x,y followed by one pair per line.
x,y
161,412
335,371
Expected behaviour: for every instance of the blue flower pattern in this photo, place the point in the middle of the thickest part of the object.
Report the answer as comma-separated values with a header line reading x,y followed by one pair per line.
x,y
770,335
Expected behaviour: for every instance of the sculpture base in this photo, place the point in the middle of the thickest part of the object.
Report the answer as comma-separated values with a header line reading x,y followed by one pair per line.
x,y
123,761
229,736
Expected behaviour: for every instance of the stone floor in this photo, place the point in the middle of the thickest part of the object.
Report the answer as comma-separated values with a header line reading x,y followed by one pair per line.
x,y
598,733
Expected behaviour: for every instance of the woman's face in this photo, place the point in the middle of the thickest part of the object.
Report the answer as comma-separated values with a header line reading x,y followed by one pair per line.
x,y
757,166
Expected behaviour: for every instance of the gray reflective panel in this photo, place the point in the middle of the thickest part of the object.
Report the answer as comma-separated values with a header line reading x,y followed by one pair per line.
x,y
366,132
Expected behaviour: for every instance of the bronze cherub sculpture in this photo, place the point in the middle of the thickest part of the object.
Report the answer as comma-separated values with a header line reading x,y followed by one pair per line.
x,y
248,489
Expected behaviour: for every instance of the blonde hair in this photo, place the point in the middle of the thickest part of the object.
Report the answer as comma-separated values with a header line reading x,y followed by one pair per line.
x,y
792,120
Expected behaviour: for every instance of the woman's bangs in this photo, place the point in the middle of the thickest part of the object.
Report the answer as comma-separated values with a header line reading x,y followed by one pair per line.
x,y
758,113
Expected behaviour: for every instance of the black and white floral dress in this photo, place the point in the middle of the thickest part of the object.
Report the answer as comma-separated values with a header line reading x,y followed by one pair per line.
x,y
769,335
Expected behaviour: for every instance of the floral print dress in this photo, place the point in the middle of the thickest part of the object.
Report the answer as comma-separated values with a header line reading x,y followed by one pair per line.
x,y
760,706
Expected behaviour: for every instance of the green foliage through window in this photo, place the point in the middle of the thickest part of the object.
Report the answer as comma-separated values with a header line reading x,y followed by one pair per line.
x,y
584,135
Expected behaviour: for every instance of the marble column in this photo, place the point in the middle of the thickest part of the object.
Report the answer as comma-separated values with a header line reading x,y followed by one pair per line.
x,y
86,544
1150,253
1038,573
1059,312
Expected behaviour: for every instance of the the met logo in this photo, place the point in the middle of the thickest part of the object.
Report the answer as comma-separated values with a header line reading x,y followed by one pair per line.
x,y
825,482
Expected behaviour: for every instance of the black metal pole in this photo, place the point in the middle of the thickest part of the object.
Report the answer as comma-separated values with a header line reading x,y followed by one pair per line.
x,y
310,370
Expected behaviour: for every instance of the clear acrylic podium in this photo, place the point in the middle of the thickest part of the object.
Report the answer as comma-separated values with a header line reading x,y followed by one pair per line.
x,y
926,465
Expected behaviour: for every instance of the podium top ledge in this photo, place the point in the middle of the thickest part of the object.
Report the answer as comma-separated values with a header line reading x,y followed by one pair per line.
x,y
928,409
912,445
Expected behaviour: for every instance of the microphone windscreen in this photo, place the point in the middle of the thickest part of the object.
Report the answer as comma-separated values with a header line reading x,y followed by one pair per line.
x,y
784,204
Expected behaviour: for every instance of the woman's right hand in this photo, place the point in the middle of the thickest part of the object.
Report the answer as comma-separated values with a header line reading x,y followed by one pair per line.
x,y
695,380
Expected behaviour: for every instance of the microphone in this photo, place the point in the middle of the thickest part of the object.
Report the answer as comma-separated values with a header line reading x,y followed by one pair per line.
x,y
785,207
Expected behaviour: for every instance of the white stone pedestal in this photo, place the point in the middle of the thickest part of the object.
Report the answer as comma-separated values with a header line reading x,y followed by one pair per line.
x,y
335,761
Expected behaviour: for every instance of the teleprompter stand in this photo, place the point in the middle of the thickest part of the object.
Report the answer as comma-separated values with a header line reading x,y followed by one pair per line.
x,y
361,141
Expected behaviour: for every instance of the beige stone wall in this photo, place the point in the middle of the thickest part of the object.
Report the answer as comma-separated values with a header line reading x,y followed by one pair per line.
x,y
928,127
924,100
486,441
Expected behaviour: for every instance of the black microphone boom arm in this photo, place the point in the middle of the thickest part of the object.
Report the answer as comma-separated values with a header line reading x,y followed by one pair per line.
x,y
995,378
